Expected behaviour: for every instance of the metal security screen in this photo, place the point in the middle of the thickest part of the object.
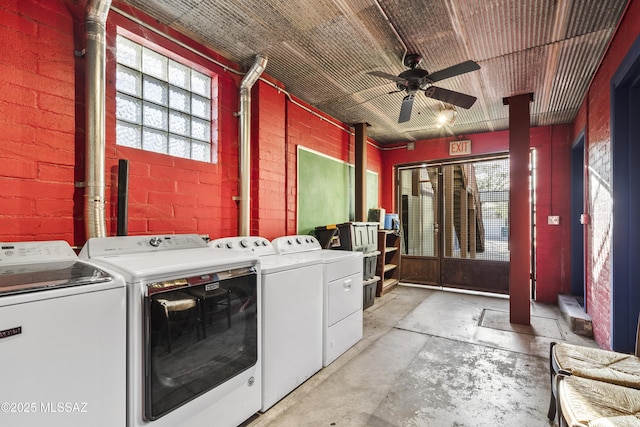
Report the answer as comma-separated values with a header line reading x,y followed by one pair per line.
x,y
476,200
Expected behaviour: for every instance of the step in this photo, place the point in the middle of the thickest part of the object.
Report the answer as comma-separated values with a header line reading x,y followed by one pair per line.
x,y
572,309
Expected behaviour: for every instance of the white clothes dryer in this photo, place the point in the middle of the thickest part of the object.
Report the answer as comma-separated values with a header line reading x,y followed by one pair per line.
x,y
342,292
193,326
291,316
62,339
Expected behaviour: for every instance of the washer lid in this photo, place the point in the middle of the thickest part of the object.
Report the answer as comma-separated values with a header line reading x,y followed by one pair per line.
x,y
23,278
38,266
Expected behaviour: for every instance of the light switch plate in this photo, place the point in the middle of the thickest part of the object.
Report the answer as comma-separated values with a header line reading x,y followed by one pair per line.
x,y
553,220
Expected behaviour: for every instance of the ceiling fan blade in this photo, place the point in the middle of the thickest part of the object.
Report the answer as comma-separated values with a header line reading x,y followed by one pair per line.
x,y
405,109
454,70
450,97
387,76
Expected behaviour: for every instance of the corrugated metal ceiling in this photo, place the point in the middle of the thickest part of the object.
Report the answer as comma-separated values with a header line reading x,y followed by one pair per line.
x,y
322,51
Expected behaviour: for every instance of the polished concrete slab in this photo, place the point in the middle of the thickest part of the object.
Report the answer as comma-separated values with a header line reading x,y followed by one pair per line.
x,y
433,358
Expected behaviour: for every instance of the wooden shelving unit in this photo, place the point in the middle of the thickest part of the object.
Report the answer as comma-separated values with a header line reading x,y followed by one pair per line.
x,y
388,266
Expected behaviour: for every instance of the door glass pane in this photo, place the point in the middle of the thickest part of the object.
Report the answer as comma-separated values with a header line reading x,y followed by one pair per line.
x,y
476,210
419,197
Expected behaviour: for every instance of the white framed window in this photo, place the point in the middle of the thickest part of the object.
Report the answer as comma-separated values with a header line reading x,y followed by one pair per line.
x,y
162,105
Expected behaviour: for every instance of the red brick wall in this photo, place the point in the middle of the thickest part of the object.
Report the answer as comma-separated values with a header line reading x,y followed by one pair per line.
x,y
552,146
594,120
269,177
38,155
42,140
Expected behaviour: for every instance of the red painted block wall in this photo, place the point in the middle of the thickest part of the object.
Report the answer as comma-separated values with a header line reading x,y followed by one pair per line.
x,y
553,242
42,157
38,155
268,161
42,117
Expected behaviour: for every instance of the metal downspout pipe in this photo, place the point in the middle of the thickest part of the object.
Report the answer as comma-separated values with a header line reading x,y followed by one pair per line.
x,y
245,143
95,82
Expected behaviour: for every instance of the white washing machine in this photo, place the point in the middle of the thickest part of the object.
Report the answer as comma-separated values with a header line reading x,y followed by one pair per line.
x,y
342,292
62,339
193,327
291,316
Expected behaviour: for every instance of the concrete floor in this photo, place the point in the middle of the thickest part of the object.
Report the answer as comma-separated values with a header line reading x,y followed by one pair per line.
x,y
433,358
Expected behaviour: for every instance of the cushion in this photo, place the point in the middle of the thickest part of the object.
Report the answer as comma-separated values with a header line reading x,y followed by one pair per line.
x,y
602,365
590,403
176,301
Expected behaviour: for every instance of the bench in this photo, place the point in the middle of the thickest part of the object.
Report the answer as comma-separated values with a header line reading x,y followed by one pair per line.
x,y
594,387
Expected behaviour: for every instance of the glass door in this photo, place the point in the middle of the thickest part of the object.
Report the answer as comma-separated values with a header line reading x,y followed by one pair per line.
x,y
455,224
420,224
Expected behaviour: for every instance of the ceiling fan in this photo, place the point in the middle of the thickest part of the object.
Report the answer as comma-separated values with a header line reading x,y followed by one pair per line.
x,y
417,79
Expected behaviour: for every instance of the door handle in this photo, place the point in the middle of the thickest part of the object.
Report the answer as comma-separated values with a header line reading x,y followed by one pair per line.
x,y
347,285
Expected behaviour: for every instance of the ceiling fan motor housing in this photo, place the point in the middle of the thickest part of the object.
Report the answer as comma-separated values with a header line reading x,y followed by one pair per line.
x,y
414,79
412,60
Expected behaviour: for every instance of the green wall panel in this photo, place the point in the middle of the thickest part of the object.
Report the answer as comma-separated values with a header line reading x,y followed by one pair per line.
x,y
326,190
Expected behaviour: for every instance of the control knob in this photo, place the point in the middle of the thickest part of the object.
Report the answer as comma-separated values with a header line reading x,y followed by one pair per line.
x,y
155,241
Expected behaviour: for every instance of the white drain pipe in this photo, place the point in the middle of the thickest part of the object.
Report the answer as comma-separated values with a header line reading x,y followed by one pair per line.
x,y
245,143
95,33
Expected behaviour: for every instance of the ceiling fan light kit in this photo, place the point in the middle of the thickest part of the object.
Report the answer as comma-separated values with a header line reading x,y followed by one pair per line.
x,y
416,80
447,116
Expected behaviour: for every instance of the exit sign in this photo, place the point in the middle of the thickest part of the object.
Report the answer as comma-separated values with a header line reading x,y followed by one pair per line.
x,y
458,148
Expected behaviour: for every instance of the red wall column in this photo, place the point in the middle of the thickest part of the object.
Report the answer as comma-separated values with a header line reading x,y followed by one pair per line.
x,y
519,210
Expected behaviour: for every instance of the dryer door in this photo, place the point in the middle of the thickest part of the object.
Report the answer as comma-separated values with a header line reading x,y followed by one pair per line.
x,y
199,332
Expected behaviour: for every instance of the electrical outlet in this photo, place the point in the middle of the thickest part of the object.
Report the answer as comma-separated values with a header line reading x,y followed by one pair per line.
x,y
553,220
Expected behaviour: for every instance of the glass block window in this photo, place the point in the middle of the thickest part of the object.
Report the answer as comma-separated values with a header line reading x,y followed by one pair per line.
x,y
161,105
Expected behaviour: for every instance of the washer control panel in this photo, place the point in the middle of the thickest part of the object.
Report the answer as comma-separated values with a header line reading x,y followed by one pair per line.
x,y
296,243
255,244
35,252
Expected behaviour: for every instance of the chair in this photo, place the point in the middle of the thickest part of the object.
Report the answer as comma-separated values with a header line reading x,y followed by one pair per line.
x,y
597,367
173,303
212,302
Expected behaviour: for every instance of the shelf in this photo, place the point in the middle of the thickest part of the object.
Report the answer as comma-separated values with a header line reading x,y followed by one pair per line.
x,y
389,267
389,282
